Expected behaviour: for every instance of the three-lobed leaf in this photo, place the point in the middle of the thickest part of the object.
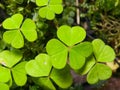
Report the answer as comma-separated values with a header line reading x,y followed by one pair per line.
x,y
14,35
50,8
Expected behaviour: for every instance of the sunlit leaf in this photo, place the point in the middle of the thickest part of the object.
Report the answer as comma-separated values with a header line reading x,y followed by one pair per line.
x,y
29,30
14,38
10,58
58,52
4,86
19,74
71,36
13,22
103,53
41,66
4,74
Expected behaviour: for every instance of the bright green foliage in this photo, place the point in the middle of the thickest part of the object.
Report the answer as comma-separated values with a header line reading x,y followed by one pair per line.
x,y
78,53
62,77
9,59
102,52
90,61
41,66
99,72
4,72
45,83
14,35
4,86
58,52
71,36
50,8
19,74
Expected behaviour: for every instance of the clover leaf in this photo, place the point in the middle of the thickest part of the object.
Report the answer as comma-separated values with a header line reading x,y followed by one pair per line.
x,y
4,72
45,83
79,53
19,74
16,29
4,86
71,36
49,8
62,77
9,60
102,52
96,70
60,52
41,66
99,72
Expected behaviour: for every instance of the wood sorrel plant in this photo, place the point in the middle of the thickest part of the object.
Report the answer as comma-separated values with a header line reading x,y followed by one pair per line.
x,y
67,51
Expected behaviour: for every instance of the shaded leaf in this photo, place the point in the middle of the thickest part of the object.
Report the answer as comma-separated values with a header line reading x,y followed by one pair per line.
x,y
45,83
99,72
62,77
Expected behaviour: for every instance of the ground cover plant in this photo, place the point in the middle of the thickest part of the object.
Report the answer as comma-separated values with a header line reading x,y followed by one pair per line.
x,y
40,44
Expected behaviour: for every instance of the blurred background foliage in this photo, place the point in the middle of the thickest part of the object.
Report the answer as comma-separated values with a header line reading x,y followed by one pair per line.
x,y
100,18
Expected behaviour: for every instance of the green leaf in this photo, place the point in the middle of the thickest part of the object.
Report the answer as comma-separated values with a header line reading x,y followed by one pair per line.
x,y
103,53
76,60
78,54
13,22
41,66
50,8
29,30
58,52
45,83
99,72
90,61
4,86
71,36
10,58
19,74
45,12
4,74
42,2
14,38
62,77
